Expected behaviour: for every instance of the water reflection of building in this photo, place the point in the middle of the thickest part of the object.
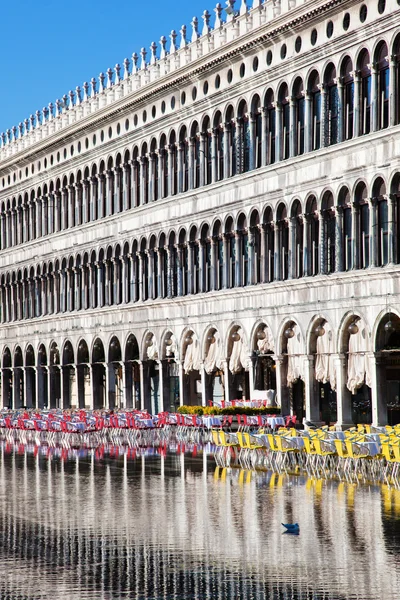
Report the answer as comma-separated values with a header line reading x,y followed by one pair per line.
x,y
238,182
170,528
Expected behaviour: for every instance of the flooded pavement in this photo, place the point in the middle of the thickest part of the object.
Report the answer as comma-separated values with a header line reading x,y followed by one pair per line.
x,y
165,523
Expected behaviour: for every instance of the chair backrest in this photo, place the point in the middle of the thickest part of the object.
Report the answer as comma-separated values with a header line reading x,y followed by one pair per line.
x,y
386,451
396,452
308,446
349,448
215,437
271,441
340,449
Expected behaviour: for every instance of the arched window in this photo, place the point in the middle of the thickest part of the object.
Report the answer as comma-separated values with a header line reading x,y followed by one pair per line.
x,y
153,172
361,202
382,66
254,249
299,105
219,146
284,124
298,240
242,140
382,240
242,252
329,224
332,100
315,128
270,126
313,236
231,254
183,162
256,132
365,92
219,255
281,244
347,232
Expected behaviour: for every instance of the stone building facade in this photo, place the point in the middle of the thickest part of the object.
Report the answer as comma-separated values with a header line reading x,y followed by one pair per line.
x,y
216,219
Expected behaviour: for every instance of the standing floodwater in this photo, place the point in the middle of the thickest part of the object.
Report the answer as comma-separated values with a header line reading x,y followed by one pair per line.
x,y
109,526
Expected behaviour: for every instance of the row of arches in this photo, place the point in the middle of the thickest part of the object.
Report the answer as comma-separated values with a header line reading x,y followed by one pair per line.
x,y
357,96
344,373
356,228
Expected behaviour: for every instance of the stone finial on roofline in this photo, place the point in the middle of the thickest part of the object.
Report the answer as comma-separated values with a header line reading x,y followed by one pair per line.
x,y
195,29
127,62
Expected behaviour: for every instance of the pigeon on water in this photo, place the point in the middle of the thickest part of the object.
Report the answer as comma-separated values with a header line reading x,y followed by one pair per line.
x,y
292,528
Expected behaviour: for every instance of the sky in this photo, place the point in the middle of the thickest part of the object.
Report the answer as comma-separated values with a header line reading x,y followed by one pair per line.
x,y
48,48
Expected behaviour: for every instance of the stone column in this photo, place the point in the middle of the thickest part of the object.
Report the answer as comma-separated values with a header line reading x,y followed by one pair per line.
x,y
191,277
214,155
278,252
226,380
322,243
140,256
117,191
78,204
143,180
71,205
93,198
134,275
85,201
356,108
203,162
340,91
151,181
238,259
279,132
264,253
57,210
77,288
292,248
374,97
339,250
202,266
126,185
181,173
160,268
378,389
324,119
292,126
100,196
251,276
179,269
343,395
107,283
392,240
100,277
227,150
44,215
264,136
203,376
125,293
253,138
393,86
64,208
214,263
355,210
92,387
307,121
226,278
171,158
180,373
373,231
191,163
311,391
142,398
109,192
134,187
